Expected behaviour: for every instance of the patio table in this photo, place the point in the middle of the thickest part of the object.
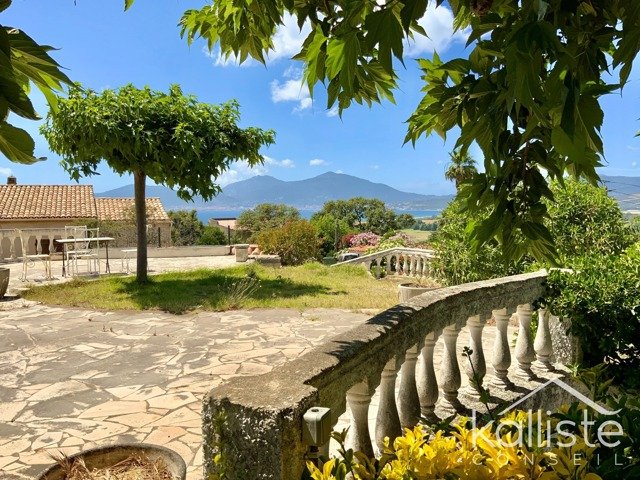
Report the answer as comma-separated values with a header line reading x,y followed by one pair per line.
x,y
66,241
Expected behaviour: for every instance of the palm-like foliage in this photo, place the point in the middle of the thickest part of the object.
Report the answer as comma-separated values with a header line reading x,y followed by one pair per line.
x,y
461,168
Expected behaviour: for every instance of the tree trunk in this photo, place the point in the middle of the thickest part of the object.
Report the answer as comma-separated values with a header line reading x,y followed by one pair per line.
x,y
141,225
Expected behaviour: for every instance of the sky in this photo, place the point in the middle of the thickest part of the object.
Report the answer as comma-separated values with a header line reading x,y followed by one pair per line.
x,y
102,47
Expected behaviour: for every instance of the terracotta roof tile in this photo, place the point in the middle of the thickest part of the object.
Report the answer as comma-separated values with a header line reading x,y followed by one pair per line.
x,y
46,201
123,209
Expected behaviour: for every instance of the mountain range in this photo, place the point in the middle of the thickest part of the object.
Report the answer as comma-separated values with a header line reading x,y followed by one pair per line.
x,y
312,193
309,194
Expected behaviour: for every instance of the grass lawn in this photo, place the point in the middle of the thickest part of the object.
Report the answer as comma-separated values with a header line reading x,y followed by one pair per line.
x,y
251,286
418,235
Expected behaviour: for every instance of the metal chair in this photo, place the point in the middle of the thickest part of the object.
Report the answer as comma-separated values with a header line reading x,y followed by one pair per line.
x,y
29,259
84,248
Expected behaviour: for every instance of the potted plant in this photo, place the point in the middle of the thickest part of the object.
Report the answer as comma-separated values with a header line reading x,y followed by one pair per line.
x,y
123,461
4,281
416,287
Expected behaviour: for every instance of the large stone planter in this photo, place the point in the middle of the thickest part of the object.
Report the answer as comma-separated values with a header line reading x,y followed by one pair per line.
x,y
4,281
407,291
106,456
242,252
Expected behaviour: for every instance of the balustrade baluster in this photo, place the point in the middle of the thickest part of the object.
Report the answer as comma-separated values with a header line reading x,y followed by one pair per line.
x,y
479,370
501,353
12,248
359,399
427,384
387,420
542,344
408,400
525,353
449,369
39,244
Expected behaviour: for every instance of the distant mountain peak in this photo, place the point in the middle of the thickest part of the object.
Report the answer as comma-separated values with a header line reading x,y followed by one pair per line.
x,y
306,194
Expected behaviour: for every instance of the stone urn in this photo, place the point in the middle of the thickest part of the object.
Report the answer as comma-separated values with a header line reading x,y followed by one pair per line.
x,y
104,457
407,291
4,281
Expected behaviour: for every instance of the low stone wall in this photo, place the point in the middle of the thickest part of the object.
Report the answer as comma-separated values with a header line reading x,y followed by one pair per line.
x,y
256,423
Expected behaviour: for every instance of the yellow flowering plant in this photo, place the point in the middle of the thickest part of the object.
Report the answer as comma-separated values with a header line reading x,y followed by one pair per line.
x,y
466,453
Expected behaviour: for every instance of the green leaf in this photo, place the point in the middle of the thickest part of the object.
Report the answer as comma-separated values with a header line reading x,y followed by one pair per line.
x,y
16,144
127,4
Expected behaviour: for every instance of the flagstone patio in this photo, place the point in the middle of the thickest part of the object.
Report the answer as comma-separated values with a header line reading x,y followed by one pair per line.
x,y
73,379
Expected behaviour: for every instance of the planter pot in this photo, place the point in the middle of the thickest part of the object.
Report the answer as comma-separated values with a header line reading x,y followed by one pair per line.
x,y
4,281
410,290
106,456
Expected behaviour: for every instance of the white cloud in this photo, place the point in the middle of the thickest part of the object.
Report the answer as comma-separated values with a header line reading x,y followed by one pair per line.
x,y
333,111
317,162
240,171
339,171
286,163
375,167
438,23
634,164
5,171
287,42
292,90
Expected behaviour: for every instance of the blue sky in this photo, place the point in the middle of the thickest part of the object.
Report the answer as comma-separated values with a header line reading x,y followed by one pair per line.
x,y
103,47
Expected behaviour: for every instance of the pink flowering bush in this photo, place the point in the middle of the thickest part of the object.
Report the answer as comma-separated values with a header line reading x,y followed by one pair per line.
x,y
364,239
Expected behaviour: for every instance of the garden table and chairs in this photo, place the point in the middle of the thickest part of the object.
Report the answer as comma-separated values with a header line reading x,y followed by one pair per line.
x,y
84,248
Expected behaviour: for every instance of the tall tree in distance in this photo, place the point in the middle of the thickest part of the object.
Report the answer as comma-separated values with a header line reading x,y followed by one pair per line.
x,y
461,168
168,137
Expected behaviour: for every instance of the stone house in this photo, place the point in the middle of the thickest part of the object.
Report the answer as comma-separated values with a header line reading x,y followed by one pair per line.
x,y
42,212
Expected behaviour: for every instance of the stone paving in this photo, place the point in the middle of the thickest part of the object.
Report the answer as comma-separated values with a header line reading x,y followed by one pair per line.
x,y
73,379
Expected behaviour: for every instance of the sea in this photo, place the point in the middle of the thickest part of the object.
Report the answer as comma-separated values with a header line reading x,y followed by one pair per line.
x,y
205,215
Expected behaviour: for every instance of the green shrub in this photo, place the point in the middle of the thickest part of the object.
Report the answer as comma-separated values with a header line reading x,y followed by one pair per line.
x,y
602,298
296,242
212,236
457,262
186,227
265,216
330,231
584,219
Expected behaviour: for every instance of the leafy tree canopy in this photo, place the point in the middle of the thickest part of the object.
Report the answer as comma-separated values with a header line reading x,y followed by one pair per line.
x,y
169,137
174,139
22,62
266,216
528,92
364,214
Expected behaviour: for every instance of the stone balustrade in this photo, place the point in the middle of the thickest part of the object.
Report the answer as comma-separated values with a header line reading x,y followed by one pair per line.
x,y
39,241
409,262
256,426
